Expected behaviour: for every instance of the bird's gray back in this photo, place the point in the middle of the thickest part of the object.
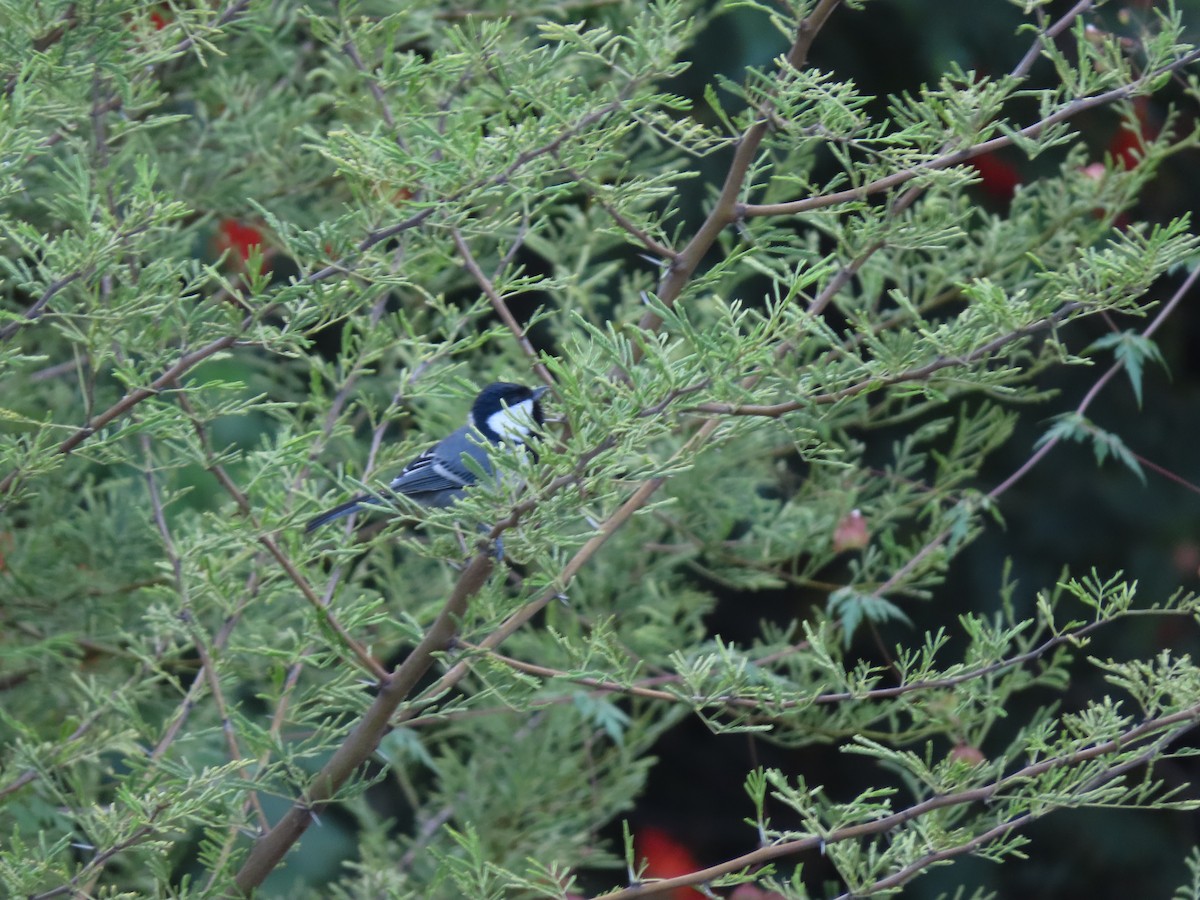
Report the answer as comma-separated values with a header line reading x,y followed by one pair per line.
x,y
437,477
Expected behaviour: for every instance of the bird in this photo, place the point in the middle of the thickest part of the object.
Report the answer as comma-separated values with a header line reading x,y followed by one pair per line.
x,y
502,413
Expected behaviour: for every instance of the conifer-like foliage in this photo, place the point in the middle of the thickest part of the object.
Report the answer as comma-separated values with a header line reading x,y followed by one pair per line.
x,y
257,256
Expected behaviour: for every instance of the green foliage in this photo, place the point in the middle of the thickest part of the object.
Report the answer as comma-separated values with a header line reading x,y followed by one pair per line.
x,y
1131,351
255,257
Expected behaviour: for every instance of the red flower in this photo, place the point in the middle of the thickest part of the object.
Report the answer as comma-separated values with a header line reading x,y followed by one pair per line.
x,y
158,19
665,857
1127,145
998,179
238,237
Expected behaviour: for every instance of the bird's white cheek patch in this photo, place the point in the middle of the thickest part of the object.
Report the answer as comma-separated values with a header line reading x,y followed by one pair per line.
x,y
514,422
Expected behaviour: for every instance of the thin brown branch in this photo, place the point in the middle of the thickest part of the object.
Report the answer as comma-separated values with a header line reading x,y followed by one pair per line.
x,y
1176,724
1101,778
385,109
906,199
500,306
638,234
113,699
1041,452
100,859
502,177
38,309
966,154
181,366
982,352
1034,53
364,657
521,617
644,687
208,670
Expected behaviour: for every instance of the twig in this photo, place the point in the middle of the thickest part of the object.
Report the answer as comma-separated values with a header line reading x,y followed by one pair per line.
x,y
39,307
1101,778
364,739
983,351
640,235
1039,454
501,308
385,109
727,210
208,670
957,157
100,859
365,659
643,687
502,177
1185,720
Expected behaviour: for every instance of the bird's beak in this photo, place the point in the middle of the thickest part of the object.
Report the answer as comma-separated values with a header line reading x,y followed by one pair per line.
x,y
537,392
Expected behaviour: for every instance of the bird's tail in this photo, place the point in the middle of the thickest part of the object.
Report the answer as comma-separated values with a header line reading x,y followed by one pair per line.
x,y
350,506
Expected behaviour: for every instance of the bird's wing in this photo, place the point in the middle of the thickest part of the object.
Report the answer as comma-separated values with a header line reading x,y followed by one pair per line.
x,y
441,468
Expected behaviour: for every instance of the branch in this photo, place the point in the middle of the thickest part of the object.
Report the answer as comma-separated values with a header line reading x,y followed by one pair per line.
x,y
727,210
365,659
208,669
502,177
185,363
501,308
957,157
1041,452
100,859
644,687
640,235
39,307
1101,778
942,362
1185,720
361,743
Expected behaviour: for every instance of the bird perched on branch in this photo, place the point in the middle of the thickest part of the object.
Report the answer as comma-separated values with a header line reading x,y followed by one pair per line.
x,y
502,413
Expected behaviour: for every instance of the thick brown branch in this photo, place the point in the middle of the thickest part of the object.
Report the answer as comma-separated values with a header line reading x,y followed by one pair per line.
x,y
365,738
727,210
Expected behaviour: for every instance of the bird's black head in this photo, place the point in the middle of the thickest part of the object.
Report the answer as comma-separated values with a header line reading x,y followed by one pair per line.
x,y
507,412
